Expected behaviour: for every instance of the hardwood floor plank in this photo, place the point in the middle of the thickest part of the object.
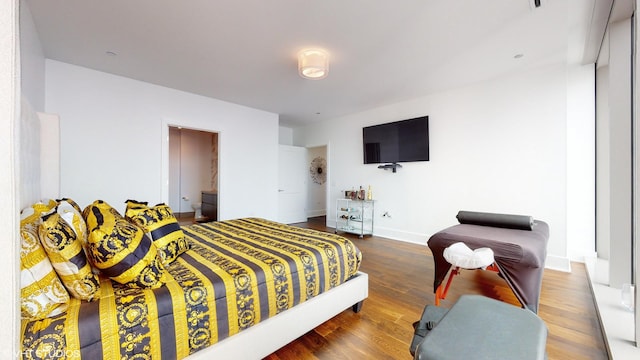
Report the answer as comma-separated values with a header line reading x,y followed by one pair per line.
x,y
401,284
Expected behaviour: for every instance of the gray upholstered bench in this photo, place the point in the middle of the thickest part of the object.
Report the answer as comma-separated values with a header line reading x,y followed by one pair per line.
x,y
477,327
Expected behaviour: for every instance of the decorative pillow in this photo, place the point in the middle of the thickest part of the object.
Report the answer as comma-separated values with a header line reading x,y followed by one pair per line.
x,y
133,204
163,228
61,234
124,253
72,214
70,202
41,292
92,217
45,205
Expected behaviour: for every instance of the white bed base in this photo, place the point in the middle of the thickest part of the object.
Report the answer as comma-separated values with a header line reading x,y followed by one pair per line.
x,y
270,335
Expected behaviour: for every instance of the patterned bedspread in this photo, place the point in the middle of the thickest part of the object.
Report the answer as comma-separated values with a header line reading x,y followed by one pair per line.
x,y
237,273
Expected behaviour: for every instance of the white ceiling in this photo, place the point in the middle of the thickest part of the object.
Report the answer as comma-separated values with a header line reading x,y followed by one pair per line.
x,y
244,51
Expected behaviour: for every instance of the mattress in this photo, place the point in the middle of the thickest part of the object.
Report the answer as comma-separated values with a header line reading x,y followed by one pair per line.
x,y
236,274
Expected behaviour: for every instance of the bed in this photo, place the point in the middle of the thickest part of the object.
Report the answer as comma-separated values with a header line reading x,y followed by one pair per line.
x,y
245,288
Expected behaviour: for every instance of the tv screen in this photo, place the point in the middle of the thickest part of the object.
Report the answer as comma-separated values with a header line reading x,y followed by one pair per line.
x,y
400,141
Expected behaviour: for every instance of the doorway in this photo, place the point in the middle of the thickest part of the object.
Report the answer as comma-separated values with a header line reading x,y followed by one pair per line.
x,y
193,174
317,170
302,183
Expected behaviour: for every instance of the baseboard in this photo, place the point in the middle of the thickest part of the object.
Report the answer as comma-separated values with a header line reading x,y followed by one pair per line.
x,y
405,236
392,234
314,213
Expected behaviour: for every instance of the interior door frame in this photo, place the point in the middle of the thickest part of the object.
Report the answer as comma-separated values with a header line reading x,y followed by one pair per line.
x,y
164,140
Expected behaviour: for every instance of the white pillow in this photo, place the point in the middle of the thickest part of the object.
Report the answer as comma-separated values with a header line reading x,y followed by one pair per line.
x,y
459,254
41,292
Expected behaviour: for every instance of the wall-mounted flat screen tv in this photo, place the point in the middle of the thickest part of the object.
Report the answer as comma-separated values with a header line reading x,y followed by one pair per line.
x,y
400,141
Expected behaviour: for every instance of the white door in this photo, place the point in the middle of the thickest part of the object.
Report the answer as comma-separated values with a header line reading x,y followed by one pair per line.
x,y
292,184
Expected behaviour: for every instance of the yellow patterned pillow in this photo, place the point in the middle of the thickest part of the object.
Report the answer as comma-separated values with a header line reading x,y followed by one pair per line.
x,y
97,210
71,213
41,292
61,233
124,253
70,202
45,205
133,204
163,228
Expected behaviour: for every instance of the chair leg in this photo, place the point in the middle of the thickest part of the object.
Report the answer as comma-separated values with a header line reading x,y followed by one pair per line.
x,y
441,293
493,267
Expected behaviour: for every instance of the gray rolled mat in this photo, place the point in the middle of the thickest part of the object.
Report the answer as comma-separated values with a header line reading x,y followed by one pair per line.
x,y
508,221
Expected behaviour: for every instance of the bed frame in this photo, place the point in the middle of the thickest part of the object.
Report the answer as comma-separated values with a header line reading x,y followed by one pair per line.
x,y
256,342
270,335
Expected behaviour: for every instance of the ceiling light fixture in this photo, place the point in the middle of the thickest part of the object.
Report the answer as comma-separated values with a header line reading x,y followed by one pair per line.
x,y
313,64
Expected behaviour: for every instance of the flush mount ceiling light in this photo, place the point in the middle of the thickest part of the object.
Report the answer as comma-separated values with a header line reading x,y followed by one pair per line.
x,y
313,64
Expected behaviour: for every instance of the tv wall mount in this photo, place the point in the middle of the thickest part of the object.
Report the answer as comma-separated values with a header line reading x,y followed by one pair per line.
x,y
393,167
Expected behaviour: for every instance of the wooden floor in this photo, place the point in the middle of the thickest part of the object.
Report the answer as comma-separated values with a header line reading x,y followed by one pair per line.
x,y
401,284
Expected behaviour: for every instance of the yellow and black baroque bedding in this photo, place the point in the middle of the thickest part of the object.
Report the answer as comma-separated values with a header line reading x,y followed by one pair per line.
x,y
236,274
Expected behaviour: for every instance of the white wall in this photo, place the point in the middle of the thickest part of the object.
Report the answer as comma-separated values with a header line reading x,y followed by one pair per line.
x,y
603,183
285,135
581,171
114,134
49,155
620,150
9,219
497,146
32,60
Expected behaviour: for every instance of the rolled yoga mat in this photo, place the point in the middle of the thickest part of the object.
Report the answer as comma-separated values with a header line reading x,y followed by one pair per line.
x,y
520,222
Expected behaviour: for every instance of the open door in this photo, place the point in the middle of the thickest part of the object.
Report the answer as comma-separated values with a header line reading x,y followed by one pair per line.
x,y
193,173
